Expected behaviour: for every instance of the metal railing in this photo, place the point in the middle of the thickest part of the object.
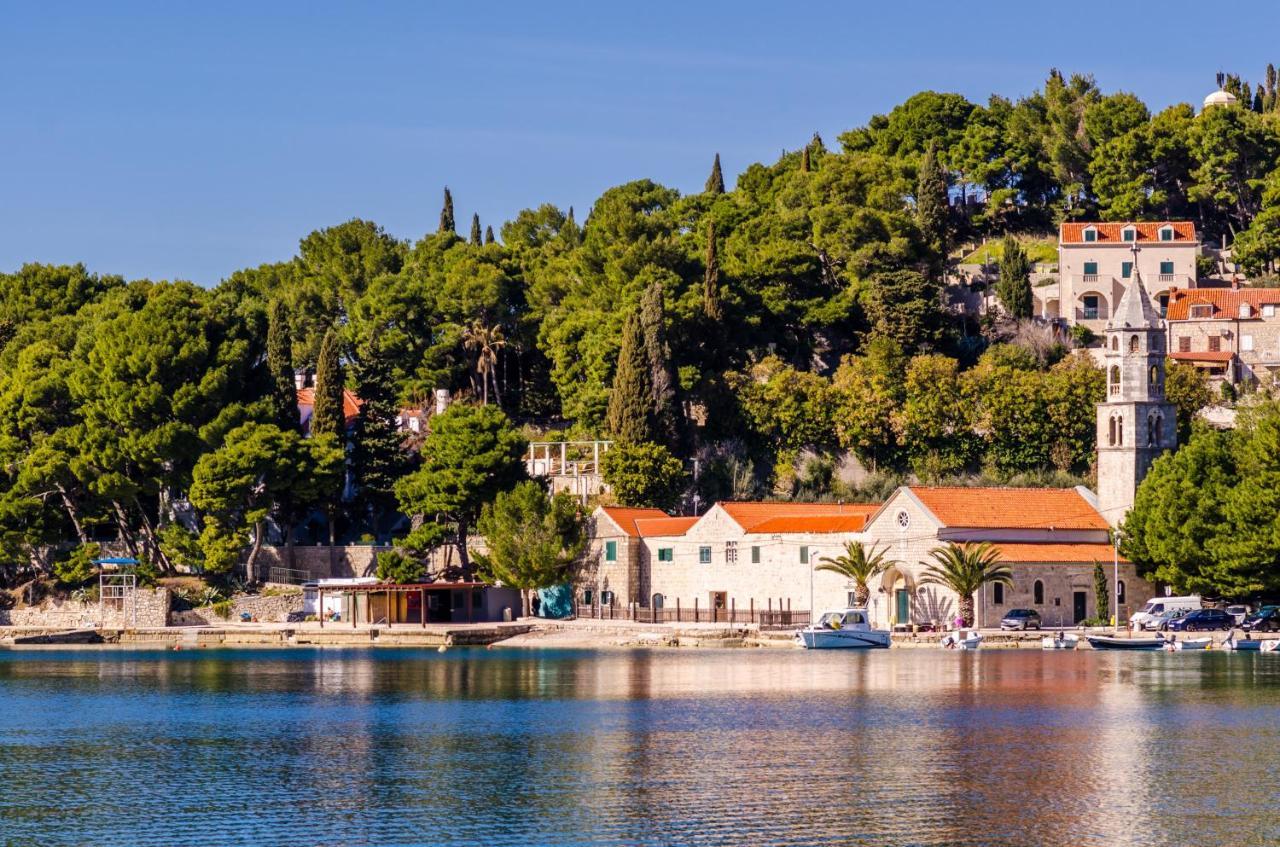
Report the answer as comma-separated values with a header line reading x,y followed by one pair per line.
x,y
290,576
766,618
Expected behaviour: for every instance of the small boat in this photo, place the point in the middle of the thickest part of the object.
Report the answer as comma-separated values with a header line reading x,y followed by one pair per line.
x,y
1107,642
1189,644
962,640
1272,646
1242,645
846,630
1060,641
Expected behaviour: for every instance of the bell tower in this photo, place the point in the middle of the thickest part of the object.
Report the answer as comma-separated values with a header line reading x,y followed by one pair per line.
x,y
1135,422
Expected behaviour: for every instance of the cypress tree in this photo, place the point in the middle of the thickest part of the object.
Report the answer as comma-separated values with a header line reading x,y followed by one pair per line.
x,y
816,144
715,182
658,353
711,305
804,160
1271,79
569,231
1013,289
932,209
475,229
378,455
1257,100
284,395
326,414
488,235
630,416
446,214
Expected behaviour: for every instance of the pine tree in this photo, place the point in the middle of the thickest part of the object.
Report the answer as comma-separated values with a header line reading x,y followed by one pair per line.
x,y
816,145
715,182
488,235
475,229
711,305
658,353
1257,104
932,209
284,395
804,161
326,414
1013,289
446,214
630,416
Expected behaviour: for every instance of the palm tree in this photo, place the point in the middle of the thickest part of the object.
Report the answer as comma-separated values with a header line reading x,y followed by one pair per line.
x,y
859,565
485,342
965,568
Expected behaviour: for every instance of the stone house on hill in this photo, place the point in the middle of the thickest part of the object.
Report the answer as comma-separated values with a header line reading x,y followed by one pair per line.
x,y
1232,334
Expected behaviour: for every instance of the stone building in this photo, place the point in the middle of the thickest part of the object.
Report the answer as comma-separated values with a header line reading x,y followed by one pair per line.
x,y
1095,265
1232,335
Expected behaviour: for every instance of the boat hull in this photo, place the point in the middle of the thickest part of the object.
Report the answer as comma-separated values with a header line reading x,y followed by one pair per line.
x,y
1068,643
842,639
1191,644
1102,642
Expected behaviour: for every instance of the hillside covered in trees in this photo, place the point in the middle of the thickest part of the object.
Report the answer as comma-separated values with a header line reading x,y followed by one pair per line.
x,y
769,329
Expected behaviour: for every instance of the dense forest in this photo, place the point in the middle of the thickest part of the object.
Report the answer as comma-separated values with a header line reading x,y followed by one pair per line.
x,y
773,333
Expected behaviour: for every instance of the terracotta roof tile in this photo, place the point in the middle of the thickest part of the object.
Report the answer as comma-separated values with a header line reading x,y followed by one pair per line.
x,y
749,515
812,523
1109,232
1202,355
350,403
1225,302
650,527
1010,508
626,518
1033,553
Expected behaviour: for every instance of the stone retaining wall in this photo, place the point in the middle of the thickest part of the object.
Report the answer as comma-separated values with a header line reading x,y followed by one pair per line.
x,y
264,608
152,610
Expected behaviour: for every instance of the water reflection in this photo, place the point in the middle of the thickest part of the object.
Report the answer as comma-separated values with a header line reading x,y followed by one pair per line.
x,y
331,747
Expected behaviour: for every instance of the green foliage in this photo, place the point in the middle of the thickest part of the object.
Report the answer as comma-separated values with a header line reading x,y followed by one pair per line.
x,y
181,547
631,401
1082,336
284,397
78,567
906,308
965,569
644,474
933,207
1187,388
327,414
447,225
395,566
715,182
936,430
867,393
531,539
790,409
1101,593
1014,286
859,564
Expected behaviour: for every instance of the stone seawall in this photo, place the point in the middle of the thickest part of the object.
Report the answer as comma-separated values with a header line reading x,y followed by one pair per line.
x,y
152,610
274,608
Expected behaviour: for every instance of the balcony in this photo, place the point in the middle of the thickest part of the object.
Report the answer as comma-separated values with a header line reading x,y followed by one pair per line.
x,y
1089,278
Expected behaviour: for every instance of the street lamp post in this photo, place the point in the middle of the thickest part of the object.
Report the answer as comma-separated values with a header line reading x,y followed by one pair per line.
x,y
1115,581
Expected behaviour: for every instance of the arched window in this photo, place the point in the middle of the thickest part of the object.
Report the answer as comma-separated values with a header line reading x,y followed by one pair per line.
x,y
1156,387
1038,593
1115,343
1120,430
997,593
1120,592
1133,344
1115,379
1111,431
1151,430
658,600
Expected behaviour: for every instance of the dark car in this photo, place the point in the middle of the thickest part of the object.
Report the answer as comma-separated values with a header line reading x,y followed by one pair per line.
x,y
1267,619
1023,619
1202,619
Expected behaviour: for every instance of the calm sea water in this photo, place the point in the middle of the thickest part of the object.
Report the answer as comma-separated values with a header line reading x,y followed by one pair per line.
x,y
904,747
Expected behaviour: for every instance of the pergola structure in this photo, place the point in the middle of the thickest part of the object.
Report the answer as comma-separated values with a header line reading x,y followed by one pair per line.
x,y
419,591
117,585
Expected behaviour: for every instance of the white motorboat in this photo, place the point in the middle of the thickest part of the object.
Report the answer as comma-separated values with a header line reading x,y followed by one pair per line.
x,y
846,630
1272,646
962,640
1061,641
1190,644
1241,645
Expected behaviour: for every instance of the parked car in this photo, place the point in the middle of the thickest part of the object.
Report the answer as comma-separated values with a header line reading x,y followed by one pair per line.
x,y
1162,623
1157,606
1239,613
1022,619
1266,619
1202,619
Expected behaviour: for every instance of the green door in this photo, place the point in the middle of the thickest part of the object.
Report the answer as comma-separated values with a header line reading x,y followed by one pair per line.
x,y
903,599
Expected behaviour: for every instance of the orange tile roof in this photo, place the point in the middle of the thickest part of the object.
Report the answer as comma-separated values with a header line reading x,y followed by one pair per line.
x,y
813,523
649,527
749,515
1010,508
1032,553
1109,232
626,518
1202,355
1226,302
350,402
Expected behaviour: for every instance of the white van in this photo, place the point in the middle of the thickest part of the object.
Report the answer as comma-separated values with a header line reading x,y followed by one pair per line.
x,y
1157,606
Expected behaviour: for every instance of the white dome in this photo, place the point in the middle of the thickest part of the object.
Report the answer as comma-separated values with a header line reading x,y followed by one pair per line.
x,y
1220,98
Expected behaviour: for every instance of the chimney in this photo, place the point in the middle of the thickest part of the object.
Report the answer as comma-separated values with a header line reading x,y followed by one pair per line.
x,y
1235,283
443,399
301,378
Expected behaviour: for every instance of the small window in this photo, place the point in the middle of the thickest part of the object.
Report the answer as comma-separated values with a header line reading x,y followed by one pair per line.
x,y
1090,302
1215,344
1163,300
666,554
1120,598
1038,592
1129,234
658,601
1134,344
1090,268
731,551
1154,379
1166,268
997,593
1166,234
1245,311
606,598
588,596
1184,344
704,555
1269,310
1090,235
755,555
611,551
1246,343
804,554
1126,269
1201,310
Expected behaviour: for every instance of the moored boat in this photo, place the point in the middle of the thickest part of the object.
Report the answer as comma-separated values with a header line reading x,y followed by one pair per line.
x,y
1060,641
962,640
1242,645
846,630
1190,644
1271,646
1107,642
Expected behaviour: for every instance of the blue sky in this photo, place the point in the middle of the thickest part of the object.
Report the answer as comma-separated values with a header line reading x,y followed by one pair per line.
x,y
184,140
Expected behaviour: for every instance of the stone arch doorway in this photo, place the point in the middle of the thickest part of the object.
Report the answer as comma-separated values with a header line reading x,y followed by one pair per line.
x,y
899,587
